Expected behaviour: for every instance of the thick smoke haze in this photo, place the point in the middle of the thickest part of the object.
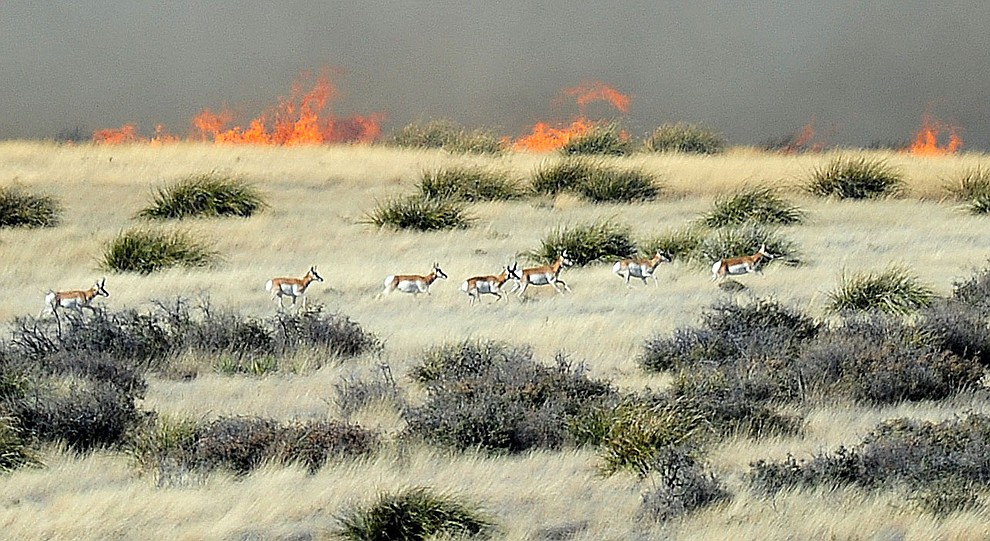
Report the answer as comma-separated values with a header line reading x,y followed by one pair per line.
x,y
755,70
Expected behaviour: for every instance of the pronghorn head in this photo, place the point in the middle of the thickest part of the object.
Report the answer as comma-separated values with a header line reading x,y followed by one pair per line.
x,y
512,272
665,257
438,271
100,289
763,251
312,272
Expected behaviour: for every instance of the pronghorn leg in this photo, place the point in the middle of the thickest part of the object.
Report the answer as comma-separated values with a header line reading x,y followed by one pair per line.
x,y
498,297
561,282
522,289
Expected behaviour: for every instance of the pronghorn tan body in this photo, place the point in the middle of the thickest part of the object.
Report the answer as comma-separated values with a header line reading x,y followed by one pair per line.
x,y
291,287
547,275
740,265
413,283
77,299
489,285
640,268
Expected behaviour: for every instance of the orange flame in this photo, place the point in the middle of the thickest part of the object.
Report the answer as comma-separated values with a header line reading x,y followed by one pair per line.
x,y
926,139
543,137
300,119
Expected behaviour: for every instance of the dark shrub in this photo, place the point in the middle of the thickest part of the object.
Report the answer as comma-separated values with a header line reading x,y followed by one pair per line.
x,y
894,290
420,214
335,333
855,178
739,406
682,137
449,136
205,196
147,251
682,486
20,208
958,328
753,205
585,244
601,140
416,514
975,291
14,450
354,394
562,176
494,396
469,184
618,186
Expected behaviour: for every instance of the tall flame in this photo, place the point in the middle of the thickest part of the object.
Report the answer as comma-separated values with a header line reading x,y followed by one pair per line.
x,y
302,118
545,137
926,140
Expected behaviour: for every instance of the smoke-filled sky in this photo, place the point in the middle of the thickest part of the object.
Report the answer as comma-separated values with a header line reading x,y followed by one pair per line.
x,y
755,70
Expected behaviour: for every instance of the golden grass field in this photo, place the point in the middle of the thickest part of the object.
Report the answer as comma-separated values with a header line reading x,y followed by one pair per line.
x,y
318,197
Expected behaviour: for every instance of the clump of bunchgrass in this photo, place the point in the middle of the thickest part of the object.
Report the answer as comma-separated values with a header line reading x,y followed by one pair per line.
x,y
469,184
855,178
145,251
415,514
14,451
894,290
760,205
680,243
420,214
747,240
585,244
561,176
599,140
973,189
683,137
210,195
618,186
21,208
447,135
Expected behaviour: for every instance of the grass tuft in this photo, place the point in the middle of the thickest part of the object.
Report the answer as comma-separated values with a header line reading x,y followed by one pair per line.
x,y
687,138
420,214
604,140
855,178
973,189
415,514
469,184
447,135
595,181
145,251
755,205
585,244
893,291
20,208
205,196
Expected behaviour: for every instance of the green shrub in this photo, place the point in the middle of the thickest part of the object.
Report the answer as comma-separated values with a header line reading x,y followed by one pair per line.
x,y
561,176
682,137
145,251
894,290
600,140
447,135
754,205
973,189
855,178
741,405
469,184
20,208
416,514
683,243
585,244
420,214
638,432
618,186
746,240
209,195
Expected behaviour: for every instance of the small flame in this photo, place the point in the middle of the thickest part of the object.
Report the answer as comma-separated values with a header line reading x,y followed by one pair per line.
x,y
544,137
926,139
116,136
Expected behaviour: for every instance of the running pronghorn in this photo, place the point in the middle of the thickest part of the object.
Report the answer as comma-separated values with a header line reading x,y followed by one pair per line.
x,y
740,265
547,275
77,300
413,283
292,287
489,285
640,268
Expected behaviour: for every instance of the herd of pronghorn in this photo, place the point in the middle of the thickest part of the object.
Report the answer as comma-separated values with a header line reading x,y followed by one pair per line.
x,y
474,287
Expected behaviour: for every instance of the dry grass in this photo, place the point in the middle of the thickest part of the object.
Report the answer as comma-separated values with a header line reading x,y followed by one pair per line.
x,y
317,198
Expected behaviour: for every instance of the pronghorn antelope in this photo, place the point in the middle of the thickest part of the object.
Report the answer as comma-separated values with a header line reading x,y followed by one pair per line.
x,y
413,283
640,268
740,265
489,285
291,287
547,275
77,300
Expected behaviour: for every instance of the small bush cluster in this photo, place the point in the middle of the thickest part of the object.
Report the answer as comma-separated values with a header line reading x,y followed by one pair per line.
x,y
14,450
145,251
599,140
755,205
894,291
494,396
415,514
595,182
687,138
205,196
937,461
855,178
469,184
973,189
241,444
447,135
682,485
420,214
586,244
974,292
354,394
21,208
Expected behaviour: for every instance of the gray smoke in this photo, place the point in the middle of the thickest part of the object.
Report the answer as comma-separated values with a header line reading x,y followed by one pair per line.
x,y
754,69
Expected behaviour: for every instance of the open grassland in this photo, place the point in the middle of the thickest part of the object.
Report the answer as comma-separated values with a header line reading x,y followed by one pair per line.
x,y
318,198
